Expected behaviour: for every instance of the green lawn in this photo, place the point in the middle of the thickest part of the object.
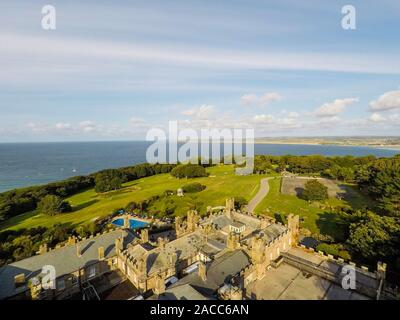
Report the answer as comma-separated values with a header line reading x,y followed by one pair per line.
x,y
316,217
221,183
88,206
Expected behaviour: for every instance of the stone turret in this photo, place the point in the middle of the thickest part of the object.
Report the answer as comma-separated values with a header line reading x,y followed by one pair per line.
x,y
178,227
144,235
233,241
192,220
236,293
202,271
294,226
159,287
229,207
257,250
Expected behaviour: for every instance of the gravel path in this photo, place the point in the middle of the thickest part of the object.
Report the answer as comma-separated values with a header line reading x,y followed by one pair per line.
x,y
262,192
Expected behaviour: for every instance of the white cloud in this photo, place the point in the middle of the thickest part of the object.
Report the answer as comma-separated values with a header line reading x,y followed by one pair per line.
x,y
376,117
263,118
388,101
88,126
138,122
269,97
265,99
248,99
63,126
37,128
293,115
332,109
201,113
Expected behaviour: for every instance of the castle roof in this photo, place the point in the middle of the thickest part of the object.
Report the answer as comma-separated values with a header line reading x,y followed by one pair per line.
x,y
64,260
219,271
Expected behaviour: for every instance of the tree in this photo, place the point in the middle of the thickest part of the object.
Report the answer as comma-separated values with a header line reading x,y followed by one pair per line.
x,y
386,185
193,187
108,180
382,180
374,236
314,191
52,205
188,171
240,202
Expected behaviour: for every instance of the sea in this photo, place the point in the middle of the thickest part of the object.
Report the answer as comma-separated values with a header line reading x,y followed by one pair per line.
x,y
27,164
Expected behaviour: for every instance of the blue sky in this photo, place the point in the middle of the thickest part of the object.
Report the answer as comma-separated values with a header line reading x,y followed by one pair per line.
x,y
114,69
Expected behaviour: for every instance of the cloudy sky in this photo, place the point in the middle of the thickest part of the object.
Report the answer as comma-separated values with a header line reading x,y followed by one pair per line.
x,y
114,69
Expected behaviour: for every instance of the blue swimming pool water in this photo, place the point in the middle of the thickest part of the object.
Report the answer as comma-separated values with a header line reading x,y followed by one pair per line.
x,y
134,224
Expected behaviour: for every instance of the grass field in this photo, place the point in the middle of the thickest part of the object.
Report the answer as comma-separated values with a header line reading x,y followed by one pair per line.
x,y
221,183
314,217
88,206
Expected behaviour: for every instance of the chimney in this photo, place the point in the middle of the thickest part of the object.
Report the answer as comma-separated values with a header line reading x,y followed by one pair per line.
x,y
159,285
161,242
144,234
78,251
126,222
71,240
101,253
43,248
202,271
19,280
118,245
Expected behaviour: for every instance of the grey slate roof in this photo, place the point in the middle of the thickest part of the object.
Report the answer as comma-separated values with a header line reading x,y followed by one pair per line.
x,y
64,260
180,292
219,271
273,231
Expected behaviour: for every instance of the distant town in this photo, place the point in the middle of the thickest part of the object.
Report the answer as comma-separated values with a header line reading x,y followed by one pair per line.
x,y
373,141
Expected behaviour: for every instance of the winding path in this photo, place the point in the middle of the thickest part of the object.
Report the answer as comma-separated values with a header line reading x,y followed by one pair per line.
x,y
262,192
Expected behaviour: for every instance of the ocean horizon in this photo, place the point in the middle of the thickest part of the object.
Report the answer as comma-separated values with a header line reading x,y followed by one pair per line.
x,y
34,163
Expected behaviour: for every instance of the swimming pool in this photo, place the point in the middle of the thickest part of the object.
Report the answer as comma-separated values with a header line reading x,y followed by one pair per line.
x,y
133,224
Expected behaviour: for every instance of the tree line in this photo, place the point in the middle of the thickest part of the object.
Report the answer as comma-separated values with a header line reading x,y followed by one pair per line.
x,y
371,234
18,201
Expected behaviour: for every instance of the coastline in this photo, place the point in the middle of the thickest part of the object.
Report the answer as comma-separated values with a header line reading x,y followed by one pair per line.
x,y
308,143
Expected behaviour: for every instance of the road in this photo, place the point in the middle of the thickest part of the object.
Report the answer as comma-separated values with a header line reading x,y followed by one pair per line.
x,y
262,192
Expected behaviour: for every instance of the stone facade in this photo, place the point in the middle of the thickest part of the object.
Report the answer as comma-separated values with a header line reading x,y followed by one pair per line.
x,y
199,240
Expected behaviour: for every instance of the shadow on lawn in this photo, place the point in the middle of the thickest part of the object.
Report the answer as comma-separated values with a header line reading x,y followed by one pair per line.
x,y
84,205
331,224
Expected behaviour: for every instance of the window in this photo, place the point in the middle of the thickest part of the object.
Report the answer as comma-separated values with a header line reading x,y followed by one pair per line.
x,y
91,272
60,284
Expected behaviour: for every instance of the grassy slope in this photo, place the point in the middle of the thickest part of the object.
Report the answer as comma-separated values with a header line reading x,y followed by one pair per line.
x,y
315,219
88,205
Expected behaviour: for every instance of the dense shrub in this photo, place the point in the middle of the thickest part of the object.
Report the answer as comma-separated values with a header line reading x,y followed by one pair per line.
x,y
193,187
108,180
189,171
240,202
314,191
52,205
